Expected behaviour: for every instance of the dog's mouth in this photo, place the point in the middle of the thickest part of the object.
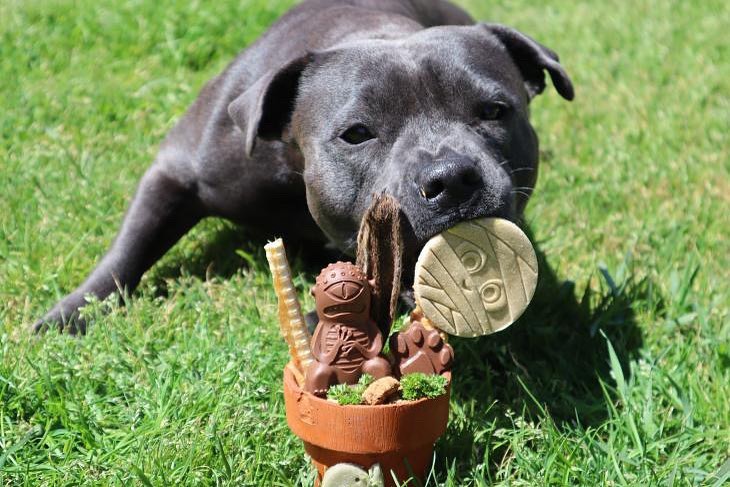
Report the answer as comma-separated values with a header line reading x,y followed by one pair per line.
x,y
418,224
416,234
418,231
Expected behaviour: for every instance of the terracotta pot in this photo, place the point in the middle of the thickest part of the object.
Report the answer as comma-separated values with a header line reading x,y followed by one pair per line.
x,y
399,437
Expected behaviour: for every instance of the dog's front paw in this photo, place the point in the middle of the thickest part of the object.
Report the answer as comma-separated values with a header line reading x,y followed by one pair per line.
x,y
64,316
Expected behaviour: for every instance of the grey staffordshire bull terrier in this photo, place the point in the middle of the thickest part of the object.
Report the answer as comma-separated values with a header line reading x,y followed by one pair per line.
x,y
336,102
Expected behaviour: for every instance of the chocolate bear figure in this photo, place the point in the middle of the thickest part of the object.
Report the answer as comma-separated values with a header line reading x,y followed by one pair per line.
x,y
346,342
419,349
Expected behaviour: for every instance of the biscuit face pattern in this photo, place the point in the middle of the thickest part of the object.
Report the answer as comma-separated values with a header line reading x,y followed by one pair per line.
x,y
477,277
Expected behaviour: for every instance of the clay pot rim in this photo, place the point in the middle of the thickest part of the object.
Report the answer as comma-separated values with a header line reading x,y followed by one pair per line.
x,y
289,377
405,426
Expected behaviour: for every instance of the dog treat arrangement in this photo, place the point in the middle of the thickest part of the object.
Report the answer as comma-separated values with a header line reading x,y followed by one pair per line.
x,y
365,415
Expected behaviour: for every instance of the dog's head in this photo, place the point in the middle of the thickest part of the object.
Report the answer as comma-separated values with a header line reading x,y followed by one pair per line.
x,y
437,119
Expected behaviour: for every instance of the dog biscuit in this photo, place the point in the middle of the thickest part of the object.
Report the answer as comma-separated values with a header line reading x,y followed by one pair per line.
x,y
380,391
477,277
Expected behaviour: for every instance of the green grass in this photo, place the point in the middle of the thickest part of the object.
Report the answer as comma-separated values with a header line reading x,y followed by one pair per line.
x,y
617,375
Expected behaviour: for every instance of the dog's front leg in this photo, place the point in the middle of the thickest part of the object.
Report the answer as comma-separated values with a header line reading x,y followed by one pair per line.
x,y
162,211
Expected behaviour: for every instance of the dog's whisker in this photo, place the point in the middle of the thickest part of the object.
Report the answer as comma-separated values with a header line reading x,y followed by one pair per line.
x,y
519,169
524,188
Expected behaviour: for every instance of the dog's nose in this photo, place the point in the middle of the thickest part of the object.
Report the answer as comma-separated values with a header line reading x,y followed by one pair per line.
x,y
449,182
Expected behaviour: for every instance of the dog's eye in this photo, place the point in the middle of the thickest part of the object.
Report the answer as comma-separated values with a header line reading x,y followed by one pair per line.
x,y
492,111
357,134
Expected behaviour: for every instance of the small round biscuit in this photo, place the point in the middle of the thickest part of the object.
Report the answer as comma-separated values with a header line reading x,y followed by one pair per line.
x,y
477,277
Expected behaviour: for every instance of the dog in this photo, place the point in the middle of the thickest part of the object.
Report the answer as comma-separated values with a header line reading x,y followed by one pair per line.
x,y
338,101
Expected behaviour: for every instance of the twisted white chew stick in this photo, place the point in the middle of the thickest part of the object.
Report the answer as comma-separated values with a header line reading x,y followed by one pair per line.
x,y
291,321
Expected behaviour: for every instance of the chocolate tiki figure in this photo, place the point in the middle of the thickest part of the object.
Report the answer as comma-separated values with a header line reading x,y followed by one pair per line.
x,y
347,342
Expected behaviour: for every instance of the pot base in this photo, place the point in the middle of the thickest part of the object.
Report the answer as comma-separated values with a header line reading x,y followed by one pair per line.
x,y
403,465
399,437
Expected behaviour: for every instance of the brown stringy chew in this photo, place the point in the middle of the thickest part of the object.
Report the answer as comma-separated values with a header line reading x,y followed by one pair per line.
x,y
380,255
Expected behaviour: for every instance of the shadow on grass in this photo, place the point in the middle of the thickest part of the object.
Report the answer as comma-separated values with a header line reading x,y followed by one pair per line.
x,y
555,349
553,359
233,248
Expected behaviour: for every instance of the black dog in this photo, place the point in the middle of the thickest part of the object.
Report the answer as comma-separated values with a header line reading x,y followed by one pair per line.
x,y
338,101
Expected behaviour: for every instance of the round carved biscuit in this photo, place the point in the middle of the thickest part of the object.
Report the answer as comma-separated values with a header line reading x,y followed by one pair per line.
x,y
477,277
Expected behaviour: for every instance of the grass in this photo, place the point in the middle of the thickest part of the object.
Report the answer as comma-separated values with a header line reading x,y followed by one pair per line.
x,y
619,374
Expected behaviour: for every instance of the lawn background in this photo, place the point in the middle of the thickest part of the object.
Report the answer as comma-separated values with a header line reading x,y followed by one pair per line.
x,y
182,386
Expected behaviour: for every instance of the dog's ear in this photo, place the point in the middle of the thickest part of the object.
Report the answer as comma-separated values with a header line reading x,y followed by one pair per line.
x,y
532,58
265,108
